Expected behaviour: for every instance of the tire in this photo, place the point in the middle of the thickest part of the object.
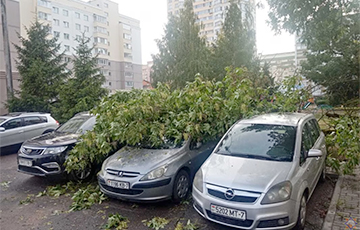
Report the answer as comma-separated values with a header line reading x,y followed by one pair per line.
x,y
300,224
82,175
181,186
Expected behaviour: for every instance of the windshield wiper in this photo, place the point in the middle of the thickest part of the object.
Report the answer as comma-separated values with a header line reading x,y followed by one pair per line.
x,y
253,156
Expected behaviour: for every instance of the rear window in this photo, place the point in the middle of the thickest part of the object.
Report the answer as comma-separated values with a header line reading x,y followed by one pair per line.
x,y
260,141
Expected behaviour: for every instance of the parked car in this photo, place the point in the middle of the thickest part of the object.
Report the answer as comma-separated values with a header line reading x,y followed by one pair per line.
x,y
15,128
145,174
45,155
262,173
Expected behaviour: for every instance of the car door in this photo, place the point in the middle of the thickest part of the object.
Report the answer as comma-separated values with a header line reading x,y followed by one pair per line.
x,y
33,126
308,164
198,153
13,133
319,143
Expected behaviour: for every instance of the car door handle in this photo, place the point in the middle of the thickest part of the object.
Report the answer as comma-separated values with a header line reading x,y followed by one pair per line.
x,y
21,131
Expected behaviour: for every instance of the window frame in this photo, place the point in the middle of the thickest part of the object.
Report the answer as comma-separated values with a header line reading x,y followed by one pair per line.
x,y
12,119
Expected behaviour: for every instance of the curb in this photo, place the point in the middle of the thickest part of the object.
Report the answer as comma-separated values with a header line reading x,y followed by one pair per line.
x,y
330,215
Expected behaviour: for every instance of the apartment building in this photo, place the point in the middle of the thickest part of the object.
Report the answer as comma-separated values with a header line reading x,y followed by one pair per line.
x,y
116,37
13,21
211,14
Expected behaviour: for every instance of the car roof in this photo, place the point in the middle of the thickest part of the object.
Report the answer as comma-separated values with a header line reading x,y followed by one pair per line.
x,y
22,114
289,119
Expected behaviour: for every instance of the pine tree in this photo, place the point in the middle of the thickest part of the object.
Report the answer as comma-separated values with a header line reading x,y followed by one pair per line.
x,y
182,53
83,91
41,68
235,45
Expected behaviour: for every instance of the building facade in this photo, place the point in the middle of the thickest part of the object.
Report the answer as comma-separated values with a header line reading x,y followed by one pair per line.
x,y
115,37
13,21
211,14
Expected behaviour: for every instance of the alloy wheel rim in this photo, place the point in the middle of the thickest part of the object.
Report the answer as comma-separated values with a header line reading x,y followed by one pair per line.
x,y
302,211
182,186
83,174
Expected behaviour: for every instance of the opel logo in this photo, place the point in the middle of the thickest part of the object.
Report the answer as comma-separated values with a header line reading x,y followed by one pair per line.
x,y
120,174
229,194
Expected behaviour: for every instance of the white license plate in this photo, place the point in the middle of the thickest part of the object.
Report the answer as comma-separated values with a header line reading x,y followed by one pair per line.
x,y
118,184
228,212
25,162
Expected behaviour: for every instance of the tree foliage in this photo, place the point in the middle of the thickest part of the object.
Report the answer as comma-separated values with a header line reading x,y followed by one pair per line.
x,y
331,32
235,45
83,91
203,109
41,68
182,53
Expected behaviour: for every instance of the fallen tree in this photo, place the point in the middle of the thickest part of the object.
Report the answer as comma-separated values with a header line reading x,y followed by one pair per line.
x,y
203,109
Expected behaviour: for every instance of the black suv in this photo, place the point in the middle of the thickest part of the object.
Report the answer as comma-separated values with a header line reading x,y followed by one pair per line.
x,y
45,155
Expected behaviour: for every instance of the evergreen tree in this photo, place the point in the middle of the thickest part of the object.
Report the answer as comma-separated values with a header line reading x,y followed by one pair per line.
x,y
182,53
236,42
41,68
83,91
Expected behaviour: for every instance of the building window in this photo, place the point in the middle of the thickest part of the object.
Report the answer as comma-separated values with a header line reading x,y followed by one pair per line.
x,y
56,22
66,36
109,83
78,37
67,48
77,26
102,61
77,15
66,24
86,28
128,55
101,40
127,36
129,75
67,59
56,34
99,18
55,10
109,73
65,13
86,18
127,46
126,27
43,15
101,51
129,84
100,29
128,65
106,14
44,3
106,5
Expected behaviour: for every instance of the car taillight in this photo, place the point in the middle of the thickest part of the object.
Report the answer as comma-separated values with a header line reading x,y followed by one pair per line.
x,y
57,122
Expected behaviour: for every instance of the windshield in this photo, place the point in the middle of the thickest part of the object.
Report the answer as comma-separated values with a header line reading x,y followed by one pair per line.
x,y
73,125
260,141
161,144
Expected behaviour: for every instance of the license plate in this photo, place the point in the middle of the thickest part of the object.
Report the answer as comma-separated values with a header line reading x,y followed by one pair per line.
x,y
118,184
25,162
228,212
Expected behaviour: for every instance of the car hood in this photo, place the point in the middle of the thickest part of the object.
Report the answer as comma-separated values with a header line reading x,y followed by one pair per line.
x,y
52,139
244,173
139,160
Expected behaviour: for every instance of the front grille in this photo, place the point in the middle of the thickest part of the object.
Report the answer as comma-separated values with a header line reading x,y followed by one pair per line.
x,y
32,151
221,195
120,173
122,191
241,223
31,170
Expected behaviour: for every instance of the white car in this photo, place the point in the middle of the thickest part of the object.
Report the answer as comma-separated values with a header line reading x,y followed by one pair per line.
x,y
262,173
15,128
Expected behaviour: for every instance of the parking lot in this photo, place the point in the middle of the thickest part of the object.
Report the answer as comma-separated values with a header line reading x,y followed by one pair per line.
x,y
51,213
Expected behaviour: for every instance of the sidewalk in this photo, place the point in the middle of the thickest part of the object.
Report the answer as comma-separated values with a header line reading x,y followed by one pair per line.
x,y
344,210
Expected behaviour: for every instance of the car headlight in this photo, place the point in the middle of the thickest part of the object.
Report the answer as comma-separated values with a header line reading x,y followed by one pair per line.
x,y
278,193
156,173
104,164
55,150
198,180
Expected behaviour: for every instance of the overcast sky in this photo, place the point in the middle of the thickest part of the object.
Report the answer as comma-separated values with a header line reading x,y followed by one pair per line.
x,y
153,17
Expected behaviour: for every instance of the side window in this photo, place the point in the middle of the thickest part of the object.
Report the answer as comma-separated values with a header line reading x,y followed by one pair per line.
x,y
44,119
12,124
313,131
32,120
317,127
306,143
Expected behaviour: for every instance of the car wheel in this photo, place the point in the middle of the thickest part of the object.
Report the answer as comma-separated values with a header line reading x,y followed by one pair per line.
x,y
181,186
82,175
300,224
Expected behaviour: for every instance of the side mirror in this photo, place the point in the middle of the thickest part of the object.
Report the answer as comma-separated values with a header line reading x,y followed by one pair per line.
x,y
314,153
2,129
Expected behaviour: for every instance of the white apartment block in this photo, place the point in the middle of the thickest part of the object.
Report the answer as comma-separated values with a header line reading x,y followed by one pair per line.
x,y
211,14
116,37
